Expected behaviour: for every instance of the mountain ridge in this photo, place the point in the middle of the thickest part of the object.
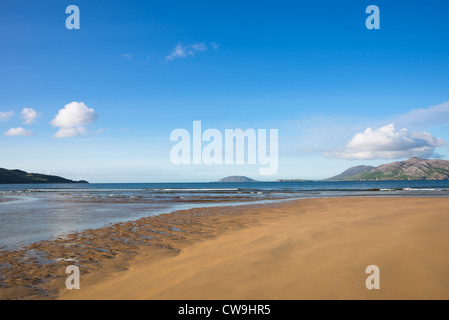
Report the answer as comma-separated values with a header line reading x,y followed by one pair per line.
x,y
412,169
351,172
21,177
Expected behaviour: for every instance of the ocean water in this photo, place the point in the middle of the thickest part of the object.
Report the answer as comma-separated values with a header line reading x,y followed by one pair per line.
x,y
34,212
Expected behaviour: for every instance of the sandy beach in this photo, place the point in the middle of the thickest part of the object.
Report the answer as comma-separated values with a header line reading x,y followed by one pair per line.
x,y
311,249
302,249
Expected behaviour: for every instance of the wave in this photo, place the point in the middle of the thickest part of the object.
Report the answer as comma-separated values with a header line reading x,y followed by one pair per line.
x,y
193,190
80,190
242,191
424,189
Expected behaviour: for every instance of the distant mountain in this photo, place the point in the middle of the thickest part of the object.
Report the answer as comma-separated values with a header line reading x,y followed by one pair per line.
x,y
18,176
351,172
411,169
237,179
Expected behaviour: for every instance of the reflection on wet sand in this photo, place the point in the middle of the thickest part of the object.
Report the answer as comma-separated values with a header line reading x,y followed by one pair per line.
x,y
38,271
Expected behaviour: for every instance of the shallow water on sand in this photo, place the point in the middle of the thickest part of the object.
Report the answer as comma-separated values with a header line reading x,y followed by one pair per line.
x,y
30,213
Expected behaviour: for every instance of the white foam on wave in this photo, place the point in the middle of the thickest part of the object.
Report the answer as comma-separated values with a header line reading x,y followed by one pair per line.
x,y
193,190
81,190
422,189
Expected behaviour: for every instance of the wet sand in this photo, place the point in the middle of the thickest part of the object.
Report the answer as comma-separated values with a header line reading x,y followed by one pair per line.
x,y
304,249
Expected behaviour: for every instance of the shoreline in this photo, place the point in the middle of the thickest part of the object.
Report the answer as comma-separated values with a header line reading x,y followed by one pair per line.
x,y
181,207
157,244
38,269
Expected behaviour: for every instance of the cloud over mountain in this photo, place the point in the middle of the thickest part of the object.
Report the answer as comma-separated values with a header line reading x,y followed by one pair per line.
x,y
425,117
388,143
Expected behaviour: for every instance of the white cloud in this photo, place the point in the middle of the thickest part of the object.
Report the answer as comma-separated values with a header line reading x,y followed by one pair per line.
x,y
14,132
425,117
73,119
388,143
70,132
5,116
184,51
29,115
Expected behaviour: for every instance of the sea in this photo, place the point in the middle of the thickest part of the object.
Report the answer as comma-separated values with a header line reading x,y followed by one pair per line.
x,y
35,212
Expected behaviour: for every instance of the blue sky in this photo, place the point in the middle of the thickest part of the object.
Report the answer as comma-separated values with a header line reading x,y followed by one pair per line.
x,y
310,69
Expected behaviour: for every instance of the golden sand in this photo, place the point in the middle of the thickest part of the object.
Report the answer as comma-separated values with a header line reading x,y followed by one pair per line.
x,y
305,249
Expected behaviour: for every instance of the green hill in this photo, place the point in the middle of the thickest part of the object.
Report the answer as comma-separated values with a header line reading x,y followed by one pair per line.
x,y
18,176
351,172
236,179
411,169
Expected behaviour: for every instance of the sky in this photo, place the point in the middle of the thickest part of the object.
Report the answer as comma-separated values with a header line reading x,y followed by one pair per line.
x,y
100,102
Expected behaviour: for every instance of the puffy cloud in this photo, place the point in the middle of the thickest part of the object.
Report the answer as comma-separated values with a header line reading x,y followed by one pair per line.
x,y
29,115
388,143
73,119
5,116
70,132
184,51
14,132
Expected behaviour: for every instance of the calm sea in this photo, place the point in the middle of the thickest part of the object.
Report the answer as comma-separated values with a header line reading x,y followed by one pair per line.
x,y
35,212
